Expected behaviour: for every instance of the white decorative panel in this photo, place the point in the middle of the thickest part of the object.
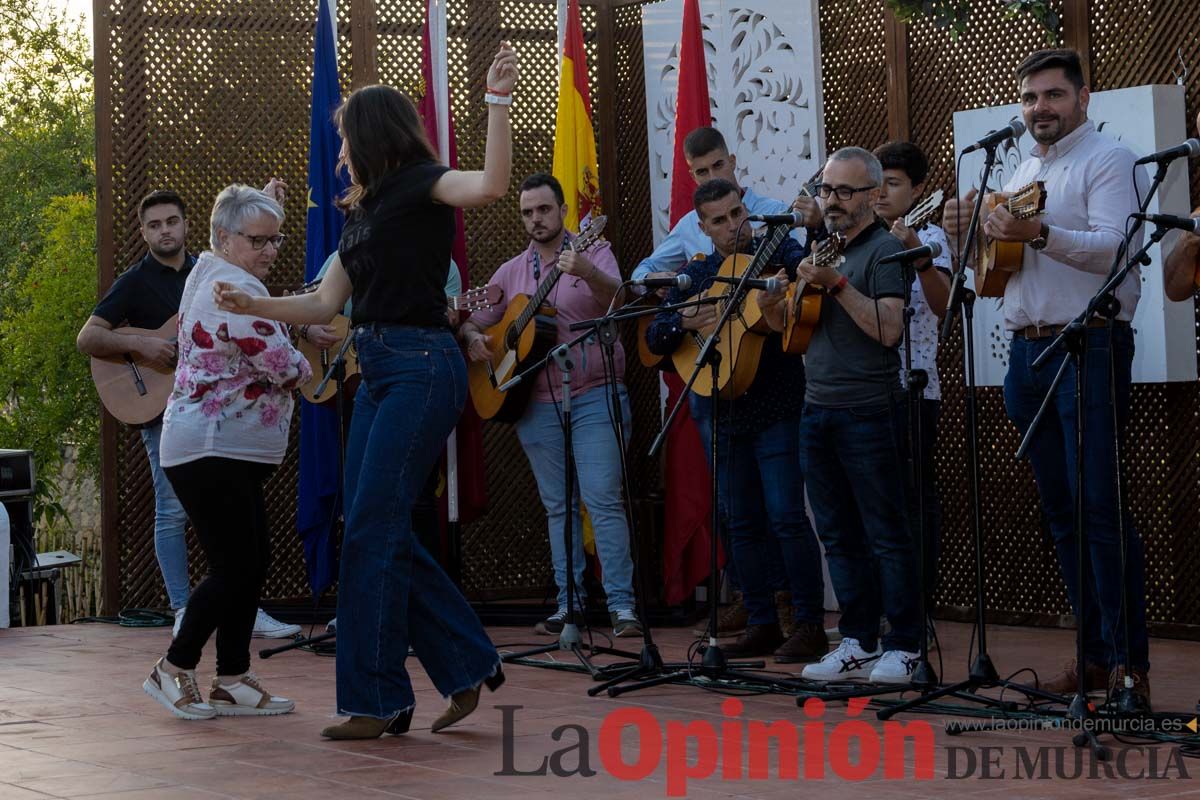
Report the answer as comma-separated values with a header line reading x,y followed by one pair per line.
x,y
1145,119
763,59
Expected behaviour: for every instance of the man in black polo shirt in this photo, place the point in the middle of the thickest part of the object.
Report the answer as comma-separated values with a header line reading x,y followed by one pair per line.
x,y
852,433
145,296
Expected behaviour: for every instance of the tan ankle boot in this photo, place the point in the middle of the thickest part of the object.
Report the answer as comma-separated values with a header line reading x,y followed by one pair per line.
x,y
357,728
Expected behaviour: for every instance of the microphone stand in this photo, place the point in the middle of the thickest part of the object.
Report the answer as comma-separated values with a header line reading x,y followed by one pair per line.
x,y
983,673
337,373
569,639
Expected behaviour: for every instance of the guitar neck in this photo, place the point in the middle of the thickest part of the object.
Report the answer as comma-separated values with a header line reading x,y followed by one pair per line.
x,y
768,250
539,297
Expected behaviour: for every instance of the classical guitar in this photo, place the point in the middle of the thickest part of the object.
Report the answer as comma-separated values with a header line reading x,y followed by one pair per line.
x,y
132,390
653,360
802,306
523,336
996,261
320,359
741,341
924,211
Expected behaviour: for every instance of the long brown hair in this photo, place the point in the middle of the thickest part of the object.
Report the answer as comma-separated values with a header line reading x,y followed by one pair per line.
x,y
383,132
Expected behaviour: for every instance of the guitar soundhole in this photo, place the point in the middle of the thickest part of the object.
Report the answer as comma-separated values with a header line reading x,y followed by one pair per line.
x,y
510,338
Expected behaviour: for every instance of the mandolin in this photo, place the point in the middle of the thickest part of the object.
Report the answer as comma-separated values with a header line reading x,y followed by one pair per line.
x,y
996,261
132,390
523,336
802,307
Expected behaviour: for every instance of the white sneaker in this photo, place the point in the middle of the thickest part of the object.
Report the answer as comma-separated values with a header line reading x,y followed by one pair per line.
x,y
331,626
179,693
178,621
895,666
246,698
267,627
848,662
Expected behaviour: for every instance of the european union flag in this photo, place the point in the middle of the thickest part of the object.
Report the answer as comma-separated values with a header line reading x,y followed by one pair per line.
x,y
320,492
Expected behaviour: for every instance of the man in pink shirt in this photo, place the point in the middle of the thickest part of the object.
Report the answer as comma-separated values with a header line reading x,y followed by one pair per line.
x,y
583,291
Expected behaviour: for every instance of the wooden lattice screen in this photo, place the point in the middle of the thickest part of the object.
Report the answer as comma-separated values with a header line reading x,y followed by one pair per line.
x,y
194,95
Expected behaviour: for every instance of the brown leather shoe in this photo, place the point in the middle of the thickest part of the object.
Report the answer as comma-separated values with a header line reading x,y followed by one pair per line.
x,y
783,610
358,728
731,621
756,640
466,701
1066,682
808,642
1141,685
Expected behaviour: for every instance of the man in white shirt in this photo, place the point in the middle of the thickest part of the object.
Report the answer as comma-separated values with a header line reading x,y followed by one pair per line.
x,y
905,168
1069,252
708,158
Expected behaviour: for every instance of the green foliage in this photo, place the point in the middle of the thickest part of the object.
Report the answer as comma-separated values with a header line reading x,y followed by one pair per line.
x,y
47,126
47,240
954,14
45,382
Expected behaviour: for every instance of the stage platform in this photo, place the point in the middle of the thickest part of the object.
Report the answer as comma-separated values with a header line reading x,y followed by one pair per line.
x,y
74,722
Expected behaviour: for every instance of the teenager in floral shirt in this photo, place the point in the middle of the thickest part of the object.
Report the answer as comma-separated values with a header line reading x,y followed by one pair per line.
x,y
225,430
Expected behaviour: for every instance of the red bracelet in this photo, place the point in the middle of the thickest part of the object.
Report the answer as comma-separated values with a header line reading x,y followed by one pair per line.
x,y
498,93
832,291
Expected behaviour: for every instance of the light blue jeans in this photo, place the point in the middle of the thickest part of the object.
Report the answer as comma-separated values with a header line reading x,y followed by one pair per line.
x,y
170,519
598,473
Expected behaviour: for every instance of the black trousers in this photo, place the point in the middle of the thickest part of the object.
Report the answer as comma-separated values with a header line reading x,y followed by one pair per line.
x,y
224,499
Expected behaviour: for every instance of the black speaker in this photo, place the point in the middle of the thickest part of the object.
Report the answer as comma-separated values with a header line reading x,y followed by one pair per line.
x,y
16,473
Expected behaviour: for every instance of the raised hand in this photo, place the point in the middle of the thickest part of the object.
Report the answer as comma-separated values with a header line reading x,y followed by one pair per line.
x,y
503,73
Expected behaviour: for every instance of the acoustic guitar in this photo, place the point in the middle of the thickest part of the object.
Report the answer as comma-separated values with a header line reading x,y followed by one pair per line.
x,y
319,359
522,337
133,390
741,341
649,359
996,261
802,306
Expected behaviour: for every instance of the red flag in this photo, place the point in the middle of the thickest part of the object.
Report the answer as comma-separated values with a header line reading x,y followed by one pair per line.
x,y
688,506
472,487
692,109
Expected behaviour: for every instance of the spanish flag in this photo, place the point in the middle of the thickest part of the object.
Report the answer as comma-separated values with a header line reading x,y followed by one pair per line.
x,y
575,163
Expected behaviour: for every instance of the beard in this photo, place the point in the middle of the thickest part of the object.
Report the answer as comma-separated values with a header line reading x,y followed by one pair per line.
x,y
546,234
848,219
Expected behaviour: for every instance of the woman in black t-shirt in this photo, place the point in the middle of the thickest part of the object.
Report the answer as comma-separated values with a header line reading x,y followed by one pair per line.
x,y
392,261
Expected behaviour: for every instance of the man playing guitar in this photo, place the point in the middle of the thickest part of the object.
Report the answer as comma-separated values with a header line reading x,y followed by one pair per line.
x,y
1182,265
584,291
758,474
146,295
853,432
1069,252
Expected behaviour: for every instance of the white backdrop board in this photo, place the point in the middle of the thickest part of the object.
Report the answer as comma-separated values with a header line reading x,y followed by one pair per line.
x,y
764,85
1145,119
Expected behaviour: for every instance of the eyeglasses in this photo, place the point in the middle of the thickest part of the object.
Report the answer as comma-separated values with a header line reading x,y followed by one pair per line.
x,y
842,192
259,242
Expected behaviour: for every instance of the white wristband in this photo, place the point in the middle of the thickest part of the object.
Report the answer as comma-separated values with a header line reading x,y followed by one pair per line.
x,y
498,99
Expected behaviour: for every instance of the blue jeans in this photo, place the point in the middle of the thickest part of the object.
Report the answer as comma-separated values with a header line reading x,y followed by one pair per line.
x,y
392,593
760,497
170,519
598,473
857,484
1052,454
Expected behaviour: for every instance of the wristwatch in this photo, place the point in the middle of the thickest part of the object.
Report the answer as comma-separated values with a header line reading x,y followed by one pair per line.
x,y
1040,241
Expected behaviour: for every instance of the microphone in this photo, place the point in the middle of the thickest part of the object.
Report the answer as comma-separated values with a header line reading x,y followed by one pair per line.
x,y
1010,131
791,218
1189,149
931,250
680,282
1189,224
768,285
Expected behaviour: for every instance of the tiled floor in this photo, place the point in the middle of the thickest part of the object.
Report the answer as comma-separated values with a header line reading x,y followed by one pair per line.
x,y
75,723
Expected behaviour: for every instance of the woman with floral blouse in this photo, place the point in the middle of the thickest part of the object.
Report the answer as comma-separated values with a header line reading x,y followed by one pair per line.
x,y
224,431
